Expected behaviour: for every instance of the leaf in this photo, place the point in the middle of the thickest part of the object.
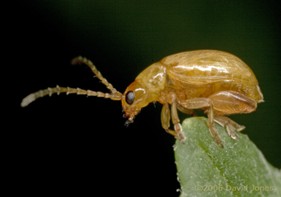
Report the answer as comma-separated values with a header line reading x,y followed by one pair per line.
x,y
238,169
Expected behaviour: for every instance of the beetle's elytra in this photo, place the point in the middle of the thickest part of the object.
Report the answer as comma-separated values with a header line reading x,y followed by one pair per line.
x,y
217,82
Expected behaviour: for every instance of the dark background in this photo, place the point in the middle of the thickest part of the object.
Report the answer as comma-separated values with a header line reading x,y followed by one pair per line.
x,y
74,144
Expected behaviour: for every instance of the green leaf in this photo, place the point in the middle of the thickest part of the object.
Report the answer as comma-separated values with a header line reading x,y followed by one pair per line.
x,y
238,169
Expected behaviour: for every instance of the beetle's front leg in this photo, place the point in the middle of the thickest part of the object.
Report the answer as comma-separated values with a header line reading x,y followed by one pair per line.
x,y
176,122
165,121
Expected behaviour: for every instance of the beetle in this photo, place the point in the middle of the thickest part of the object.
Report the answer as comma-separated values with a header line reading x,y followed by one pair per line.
x,y
217,82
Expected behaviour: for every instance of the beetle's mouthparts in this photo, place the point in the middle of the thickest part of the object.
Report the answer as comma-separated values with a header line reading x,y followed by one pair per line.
x,y
129,121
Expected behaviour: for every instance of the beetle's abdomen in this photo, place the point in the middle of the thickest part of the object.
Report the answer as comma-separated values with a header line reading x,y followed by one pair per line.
x,y
205,72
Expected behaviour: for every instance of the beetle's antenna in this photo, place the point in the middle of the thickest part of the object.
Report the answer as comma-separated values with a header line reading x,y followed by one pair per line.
x,y
67,90
89,63
113,95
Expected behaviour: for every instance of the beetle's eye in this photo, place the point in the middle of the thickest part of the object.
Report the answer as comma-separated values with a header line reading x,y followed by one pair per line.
x,y
130,96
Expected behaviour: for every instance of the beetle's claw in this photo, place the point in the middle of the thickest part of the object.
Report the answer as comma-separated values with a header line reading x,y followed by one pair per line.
x,y
179,133
181,137
231,131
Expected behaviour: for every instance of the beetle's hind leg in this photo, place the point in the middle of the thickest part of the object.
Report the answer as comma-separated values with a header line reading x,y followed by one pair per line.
x,y
231,126
204,103
231,102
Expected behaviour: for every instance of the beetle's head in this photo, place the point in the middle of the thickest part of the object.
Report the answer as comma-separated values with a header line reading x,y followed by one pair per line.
x,y
134,98
144,90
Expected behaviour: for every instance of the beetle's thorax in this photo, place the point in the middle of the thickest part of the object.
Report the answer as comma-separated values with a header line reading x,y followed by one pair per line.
x,y
153,78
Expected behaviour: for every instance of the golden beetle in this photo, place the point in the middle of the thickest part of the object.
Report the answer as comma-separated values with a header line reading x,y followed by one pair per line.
x,y
215,81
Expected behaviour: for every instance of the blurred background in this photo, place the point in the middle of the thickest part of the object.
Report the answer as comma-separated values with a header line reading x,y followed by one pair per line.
x,y
74,144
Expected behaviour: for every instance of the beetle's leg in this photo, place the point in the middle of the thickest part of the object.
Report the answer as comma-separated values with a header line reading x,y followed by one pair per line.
x,y
186,111
211,126
199,103
165,119
176,122
230,125
231,102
